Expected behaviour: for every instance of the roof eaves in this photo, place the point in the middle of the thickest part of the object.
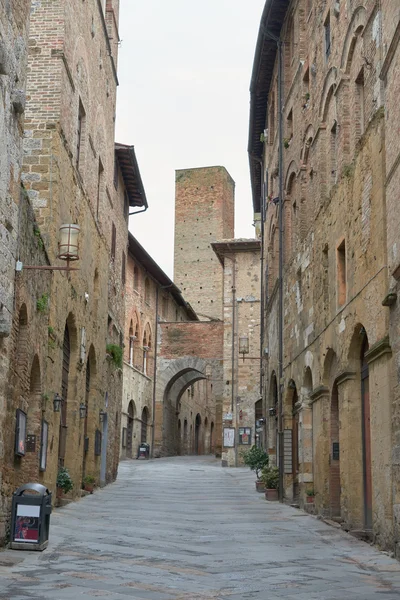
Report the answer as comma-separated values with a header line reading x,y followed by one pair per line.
x,y
272,19
131,175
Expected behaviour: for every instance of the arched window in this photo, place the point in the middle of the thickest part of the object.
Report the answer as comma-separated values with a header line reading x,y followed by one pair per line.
x,y
64,395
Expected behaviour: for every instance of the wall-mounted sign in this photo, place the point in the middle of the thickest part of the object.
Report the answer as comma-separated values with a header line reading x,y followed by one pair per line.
x,y
43,446
30,443
229,437
228,417
245,436
20,433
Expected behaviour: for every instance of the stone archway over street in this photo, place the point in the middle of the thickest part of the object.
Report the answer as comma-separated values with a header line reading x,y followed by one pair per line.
x,y
188,353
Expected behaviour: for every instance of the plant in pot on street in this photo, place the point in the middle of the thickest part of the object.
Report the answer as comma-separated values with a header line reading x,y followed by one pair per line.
x,y
310,494
256,459
270,478
89,483
64,481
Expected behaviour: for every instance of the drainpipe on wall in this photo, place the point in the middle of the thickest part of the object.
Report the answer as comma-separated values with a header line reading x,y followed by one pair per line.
x,y
281,250
153,411
279,44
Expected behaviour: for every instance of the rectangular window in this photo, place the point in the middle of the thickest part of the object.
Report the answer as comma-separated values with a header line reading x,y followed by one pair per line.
x,y
80,135
113,240
341,273
123,271
359,106
115,171
327,28
289,126
100,184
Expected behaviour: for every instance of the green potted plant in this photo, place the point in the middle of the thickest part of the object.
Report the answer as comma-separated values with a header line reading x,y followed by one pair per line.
x,y
89,483
64,482
270,478
256,459
310,495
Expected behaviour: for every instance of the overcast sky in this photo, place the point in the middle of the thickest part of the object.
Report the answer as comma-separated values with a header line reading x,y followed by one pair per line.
x,y
183,101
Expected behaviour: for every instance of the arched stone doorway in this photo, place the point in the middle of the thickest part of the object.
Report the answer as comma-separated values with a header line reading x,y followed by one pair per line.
x,y
197,435
295,441
144,422
207,449
272,435
185,437
334,466
366,435
66,358
179,440
129,431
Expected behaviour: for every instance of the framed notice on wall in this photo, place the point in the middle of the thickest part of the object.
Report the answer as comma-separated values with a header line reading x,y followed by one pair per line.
x,y
43,446
245,436
20,433
229,437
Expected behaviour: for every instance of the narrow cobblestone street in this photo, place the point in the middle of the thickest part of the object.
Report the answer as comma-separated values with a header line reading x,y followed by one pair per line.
x,y
186,529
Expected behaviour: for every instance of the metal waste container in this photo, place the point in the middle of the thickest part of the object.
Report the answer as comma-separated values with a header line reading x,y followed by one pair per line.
x,y
30,517
143,451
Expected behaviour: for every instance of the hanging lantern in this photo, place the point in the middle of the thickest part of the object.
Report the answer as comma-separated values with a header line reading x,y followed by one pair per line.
x,y
68,245
243,345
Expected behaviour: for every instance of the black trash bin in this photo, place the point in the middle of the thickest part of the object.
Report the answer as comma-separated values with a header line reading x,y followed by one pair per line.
x,y
30,518
143,451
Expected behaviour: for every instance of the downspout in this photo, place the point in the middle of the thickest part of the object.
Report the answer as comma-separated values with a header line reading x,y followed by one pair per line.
x,y
233,330
281,250
154,379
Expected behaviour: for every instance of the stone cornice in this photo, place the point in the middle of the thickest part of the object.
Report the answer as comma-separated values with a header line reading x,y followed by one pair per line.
x,y
319,393
345,376
378,350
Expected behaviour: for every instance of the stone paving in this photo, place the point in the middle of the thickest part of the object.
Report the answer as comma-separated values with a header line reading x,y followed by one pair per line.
x,y
186,529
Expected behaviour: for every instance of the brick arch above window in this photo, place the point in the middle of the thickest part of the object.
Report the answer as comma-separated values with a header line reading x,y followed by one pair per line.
x,y
354,30
328,89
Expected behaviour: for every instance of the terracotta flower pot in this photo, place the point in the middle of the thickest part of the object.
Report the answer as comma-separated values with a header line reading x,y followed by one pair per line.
x,y
310,499
271,495
89,487
260,486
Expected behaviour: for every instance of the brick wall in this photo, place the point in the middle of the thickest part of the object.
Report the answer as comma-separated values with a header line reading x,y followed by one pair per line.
x,y
334,174
204,213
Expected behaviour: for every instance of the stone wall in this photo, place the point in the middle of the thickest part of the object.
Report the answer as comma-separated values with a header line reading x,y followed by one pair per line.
x,y
335,267
68,175
241,376
14,30
189,388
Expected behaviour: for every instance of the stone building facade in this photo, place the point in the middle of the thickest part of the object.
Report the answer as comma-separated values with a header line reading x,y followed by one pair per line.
x,y
150,298
240,259
68,326
328,175
14,32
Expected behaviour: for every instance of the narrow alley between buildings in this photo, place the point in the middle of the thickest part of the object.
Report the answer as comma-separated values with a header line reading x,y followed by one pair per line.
x,y
186,529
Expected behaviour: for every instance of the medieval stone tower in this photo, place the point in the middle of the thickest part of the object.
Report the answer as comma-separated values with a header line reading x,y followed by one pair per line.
x,y
204,213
